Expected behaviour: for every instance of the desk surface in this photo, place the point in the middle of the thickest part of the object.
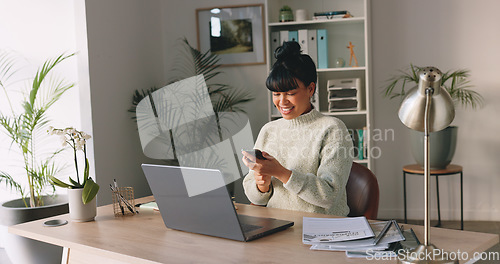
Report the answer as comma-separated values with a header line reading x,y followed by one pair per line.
x,y
143,238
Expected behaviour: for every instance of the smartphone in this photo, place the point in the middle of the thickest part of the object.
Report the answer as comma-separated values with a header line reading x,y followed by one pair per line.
x,y
256,152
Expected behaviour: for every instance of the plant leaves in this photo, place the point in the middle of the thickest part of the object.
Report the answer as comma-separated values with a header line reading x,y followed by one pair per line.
x,y
455,82
57,182
10,182
75,183
89,191
86,171
47,66
25,126
193,62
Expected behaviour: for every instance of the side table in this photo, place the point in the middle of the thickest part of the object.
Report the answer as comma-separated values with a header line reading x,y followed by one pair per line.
x,y
451,169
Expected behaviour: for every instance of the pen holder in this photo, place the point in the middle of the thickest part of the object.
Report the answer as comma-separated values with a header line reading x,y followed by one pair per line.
x,y
120,206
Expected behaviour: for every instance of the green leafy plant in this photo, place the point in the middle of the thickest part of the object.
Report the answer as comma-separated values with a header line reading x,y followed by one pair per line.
x,y
24,124
286,8
192,62
455,82
77,141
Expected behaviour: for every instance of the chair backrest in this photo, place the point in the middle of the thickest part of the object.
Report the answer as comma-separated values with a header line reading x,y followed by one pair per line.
x,y
362,192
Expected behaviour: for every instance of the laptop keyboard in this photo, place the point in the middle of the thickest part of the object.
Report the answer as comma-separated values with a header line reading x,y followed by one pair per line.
x,y
248,228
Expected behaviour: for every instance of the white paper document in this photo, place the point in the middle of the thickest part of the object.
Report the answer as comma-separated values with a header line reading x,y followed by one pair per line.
x,y
333,247
320,230
392,234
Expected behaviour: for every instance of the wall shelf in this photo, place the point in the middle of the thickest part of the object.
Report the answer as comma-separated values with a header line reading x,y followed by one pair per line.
x,y
325,21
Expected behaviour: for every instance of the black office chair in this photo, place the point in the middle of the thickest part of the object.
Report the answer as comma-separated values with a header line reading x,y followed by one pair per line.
x,y
362,192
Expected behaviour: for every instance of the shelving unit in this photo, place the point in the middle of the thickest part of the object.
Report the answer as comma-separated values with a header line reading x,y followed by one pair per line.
x,y
340,31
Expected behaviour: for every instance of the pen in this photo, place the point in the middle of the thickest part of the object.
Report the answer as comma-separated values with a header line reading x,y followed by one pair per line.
x,y
123,200
119,200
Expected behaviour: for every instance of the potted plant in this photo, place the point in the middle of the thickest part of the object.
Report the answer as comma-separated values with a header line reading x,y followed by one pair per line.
x,y
81,194
286,14
444,141
23,124
192,62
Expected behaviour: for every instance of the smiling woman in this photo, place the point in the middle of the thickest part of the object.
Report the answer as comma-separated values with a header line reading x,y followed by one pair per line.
x,y
307,161
292,81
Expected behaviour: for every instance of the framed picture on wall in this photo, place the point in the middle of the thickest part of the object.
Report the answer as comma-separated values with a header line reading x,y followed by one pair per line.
x,y
234,33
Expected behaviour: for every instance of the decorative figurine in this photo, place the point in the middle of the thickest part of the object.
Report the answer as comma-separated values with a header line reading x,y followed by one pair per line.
x,y
350,47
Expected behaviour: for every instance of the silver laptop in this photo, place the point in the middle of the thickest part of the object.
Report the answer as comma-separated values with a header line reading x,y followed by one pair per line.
x,y
209,213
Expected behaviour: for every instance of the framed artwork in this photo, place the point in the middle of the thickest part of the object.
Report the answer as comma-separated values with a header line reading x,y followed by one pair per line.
x,y
234,33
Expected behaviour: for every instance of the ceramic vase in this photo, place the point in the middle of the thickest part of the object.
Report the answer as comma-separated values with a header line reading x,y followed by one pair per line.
x,y
79,212
286,15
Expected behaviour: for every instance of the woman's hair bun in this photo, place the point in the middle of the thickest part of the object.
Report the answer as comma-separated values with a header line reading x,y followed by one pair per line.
x,y
289,49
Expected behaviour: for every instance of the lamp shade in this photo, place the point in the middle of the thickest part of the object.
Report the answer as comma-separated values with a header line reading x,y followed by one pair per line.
x,y
442,110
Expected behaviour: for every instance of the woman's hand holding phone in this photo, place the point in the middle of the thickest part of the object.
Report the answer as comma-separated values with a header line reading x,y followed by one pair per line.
x,y
257,153
265,167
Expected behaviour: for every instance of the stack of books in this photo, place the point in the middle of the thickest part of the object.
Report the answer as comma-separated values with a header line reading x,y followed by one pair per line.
x,y
331,15
356,237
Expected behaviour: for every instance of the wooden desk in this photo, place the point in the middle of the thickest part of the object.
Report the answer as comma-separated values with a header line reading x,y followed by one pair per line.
x,y
143,238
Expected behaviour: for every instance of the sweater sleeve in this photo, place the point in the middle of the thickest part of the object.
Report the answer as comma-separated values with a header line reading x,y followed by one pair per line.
x,y
333,172
253,193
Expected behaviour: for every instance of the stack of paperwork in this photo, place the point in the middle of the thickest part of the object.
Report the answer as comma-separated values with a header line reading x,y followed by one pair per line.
x,y
354,235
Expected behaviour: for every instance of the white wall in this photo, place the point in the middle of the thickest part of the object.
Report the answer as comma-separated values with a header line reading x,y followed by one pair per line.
x,y
124,54
448,34
36,31
20,31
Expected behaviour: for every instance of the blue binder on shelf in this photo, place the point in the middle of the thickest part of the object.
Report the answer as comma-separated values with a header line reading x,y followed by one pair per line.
x,y
322,48
293,35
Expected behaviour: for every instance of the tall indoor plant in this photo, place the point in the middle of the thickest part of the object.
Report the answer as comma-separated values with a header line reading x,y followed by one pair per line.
x,y
24,123
192,62
444,142
24,127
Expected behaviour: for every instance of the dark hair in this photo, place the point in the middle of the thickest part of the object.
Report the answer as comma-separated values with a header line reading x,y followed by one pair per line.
x,y
290,66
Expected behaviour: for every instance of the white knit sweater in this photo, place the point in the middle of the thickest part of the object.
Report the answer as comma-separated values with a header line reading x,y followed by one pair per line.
x,y
316,149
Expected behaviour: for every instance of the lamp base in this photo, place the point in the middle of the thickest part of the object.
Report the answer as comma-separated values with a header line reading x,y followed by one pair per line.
x,y
426,254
